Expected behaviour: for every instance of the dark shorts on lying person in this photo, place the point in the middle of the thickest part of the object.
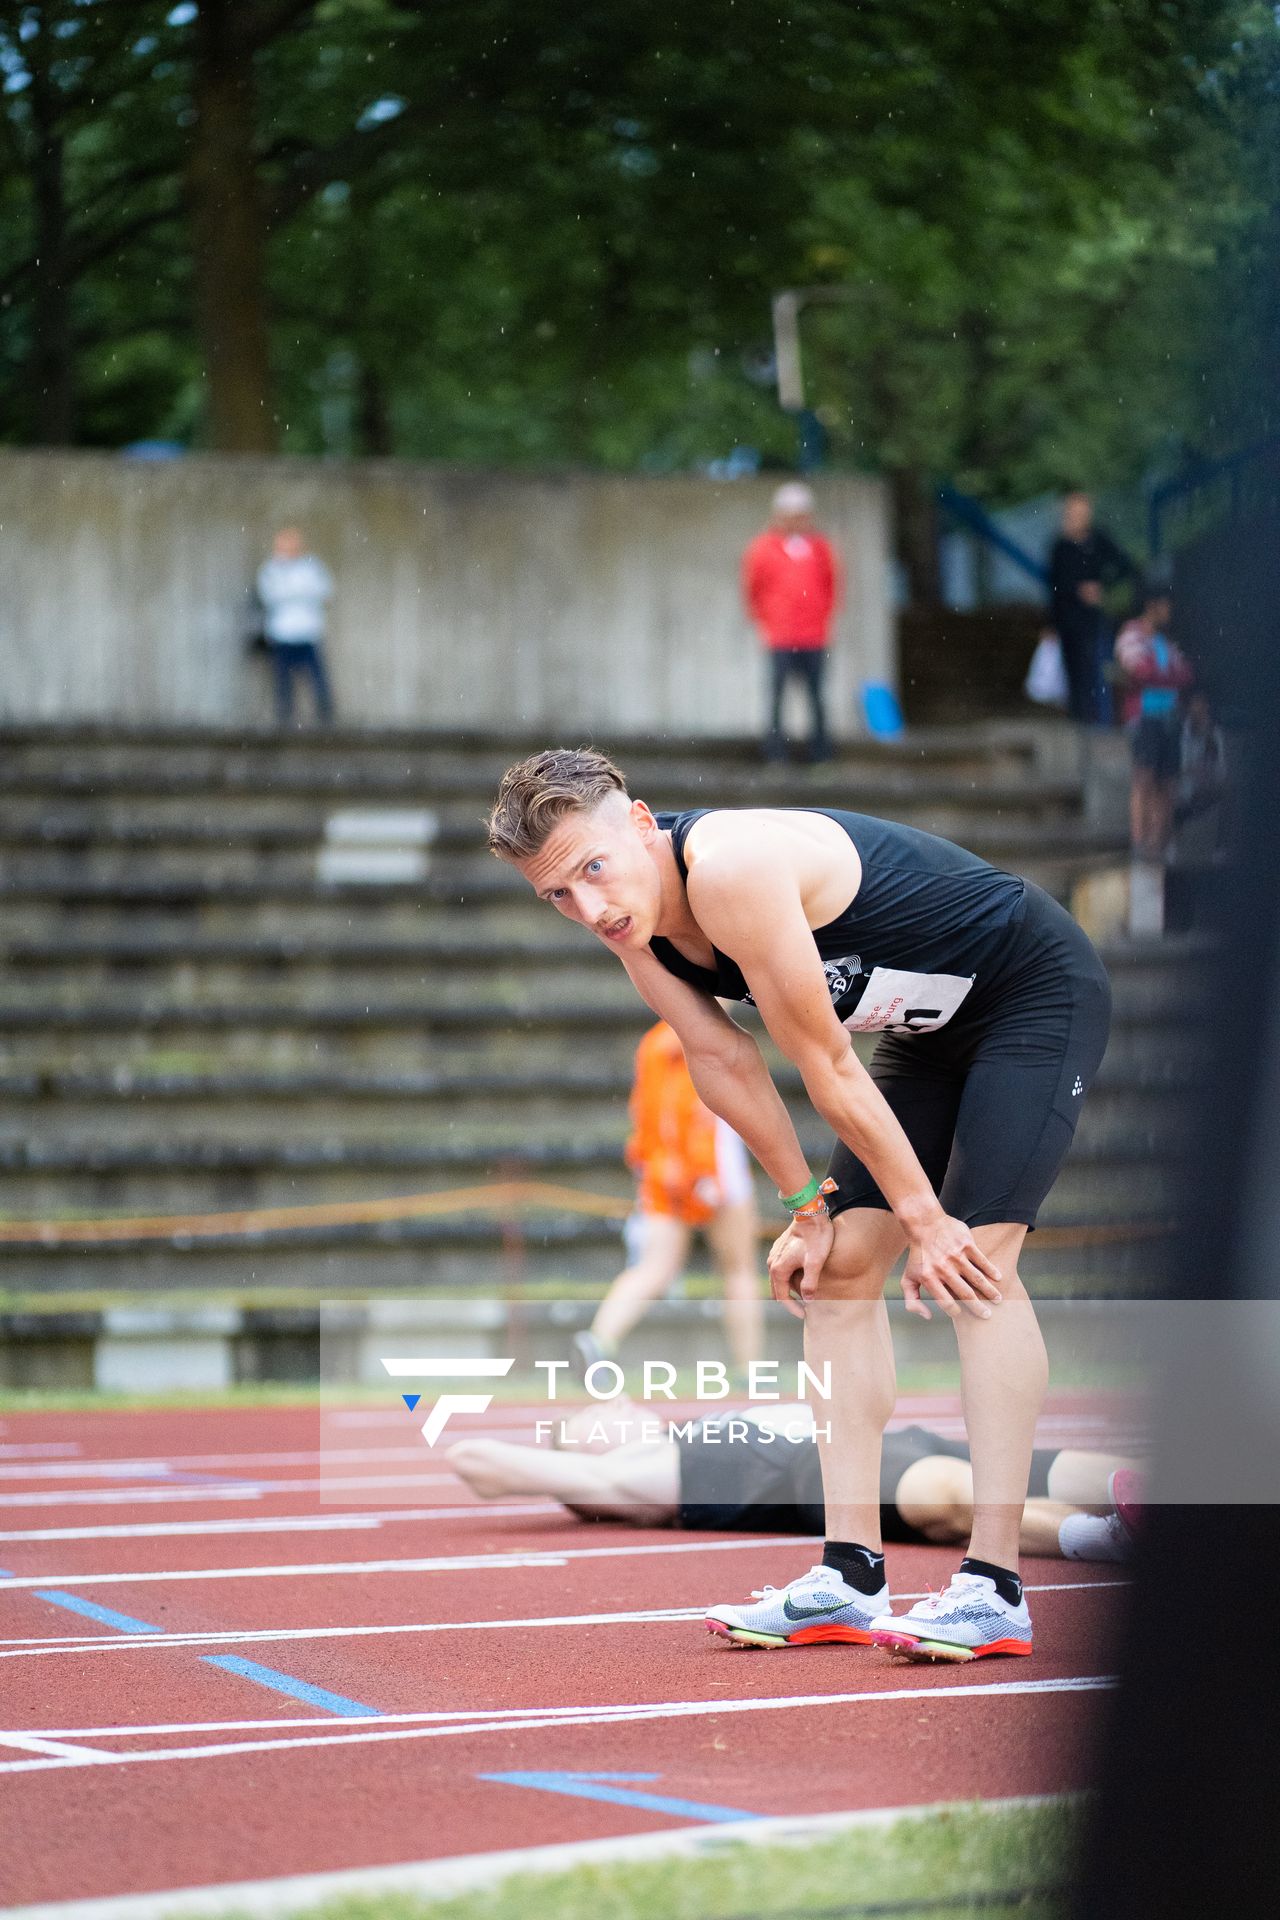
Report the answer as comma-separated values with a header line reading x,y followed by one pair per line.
x,y
765,1482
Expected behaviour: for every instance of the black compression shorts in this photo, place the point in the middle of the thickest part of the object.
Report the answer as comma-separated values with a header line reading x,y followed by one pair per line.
x,y
774,1485
990,1103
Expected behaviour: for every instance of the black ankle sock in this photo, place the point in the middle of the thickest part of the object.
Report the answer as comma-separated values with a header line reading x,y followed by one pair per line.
x,y
859,1567
1008,1585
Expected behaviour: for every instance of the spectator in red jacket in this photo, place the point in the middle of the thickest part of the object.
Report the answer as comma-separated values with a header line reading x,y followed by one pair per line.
x,y
791,585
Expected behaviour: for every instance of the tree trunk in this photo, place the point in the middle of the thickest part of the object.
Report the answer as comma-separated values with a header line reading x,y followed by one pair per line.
x,y
228,238
52,362
915,513
373,432
374,437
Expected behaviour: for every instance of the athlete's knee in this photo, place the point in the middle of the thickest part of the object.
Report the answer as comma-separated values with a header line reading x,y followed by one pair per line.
x,y
864,1246
851,1275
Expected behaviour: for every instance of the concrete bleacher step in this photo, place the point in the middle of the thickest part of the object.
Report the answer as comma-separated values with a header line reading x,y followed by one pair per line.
x,y
118,815
324,982
1112,1185
1053,857
321,917
1111,1166
384,1035
131,969
132,952
575,987
119,1103
56,758
460,1257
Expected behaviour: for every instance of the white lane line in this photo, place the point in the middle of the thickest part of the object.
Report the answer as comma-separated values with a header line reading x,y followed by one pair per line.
x,y
509,1716
428,1716
38,1449
437,1563
201,1462
46,1465
325,1569
539,1719
243,1465
91,1469
286,1523
56,1749
194,1490
114,1643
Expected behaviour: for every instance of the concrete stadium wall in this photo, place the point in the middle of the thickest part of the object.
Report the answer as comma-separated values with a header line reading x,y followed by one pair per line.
x,y
575,602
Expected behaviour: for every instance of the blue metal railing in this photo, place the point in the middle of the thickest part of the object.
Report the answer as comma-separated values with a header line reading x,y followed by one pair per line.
x,y
1253,470
969,513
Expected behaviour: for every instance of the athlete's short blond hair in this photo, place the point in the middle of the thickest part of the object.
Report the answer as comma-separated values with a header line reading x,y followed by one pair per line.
x,y
537,793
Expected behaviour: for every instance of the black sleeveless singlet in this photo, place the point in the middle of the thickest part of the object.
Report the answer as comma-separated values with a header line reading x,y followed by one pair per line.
x,y
929,928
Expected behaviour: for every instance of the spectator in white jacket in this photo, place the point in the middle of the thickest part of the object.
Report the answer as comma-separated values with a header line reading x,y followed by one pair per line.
x,y
294,589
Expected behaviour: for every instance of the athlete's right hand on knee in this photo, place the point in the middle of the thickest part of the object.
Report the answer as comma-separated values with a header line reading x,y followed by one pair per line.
x,y
948,1264
797,1257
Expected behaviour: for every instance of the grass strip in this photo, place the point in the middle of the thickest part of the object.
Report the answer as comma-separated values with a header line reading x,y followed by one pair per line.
x,y
950,1862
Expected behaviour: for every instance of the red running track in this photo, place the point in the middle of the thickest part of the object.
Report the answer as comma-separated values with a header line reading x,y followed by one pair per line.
x,y
129,1763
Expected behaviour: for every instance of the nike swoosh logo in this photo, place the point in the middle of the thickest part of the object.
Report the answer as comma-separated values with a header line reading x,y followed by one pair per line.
x,y
811,1613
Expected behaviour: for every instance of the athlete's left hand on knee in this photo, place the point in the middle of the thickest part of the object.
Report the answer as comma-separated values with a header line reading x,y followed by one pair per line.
x,y
796,1259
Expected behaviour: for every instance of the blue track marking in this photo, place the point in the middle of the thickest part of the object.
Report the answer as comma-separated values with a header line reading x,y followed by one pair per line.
x,y
599,1786
230,1662
105,1616
296,1689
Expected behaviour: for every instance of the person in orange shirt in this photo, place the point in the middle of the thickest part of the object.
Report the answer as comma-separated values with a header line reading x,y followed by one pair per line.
x,y
692,1173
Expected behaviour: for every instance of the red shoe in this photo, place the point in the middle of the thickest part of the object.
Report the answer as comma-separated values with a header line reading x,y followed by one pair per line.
x,y
1125,1489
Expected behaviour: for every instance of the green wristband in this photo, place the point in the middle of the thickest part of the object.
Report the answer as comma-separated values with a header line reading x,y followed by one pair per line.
x,y
808,1192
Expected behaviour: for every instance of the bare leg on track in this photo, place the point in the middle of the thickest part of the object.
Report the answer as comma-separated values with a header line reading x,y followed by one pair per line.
x,y
639,1483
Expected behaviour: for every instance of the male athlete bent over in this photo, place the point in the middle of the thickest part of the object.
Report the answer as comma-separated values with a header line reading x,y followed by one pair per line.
x,y
992,1008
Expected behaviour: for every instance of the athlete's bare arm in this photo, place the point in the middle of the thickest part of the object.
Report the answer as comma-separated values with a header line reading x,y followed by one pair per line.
x,y
746,884
726,1067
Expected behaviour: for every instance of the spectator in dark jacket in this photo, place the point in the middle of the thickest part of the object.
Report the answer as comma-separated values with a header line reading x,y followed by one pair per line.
x,y
1083,562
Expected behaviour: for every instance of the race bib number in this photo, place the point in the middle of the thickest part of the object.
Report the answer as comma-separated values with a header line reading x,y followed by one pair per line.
x,y
907,1002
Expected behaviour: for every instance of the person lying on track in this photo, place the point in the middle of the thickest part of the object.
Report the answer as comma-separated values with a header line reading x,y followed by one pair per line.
x,y
992,1010
1082,1505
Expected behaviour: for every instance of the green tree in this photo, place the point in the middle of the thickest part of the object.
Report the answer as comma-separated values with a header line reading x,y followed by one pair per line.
x,y
480,231
89,172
